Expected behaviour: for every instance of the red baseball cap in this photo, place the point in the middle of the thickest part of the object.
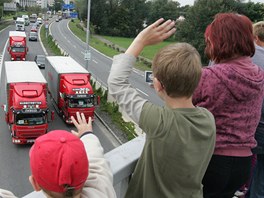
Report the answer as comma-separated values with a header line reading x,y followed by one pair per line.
x,y
57,159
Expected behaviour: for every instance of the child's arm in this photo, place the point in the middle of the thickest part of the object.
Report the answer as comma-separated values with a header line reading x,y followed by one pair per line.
x,y
119,87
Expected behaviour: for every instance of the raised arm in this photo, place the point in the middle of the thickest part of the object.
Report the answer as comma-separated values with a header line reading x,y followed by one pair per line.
x,y
119,87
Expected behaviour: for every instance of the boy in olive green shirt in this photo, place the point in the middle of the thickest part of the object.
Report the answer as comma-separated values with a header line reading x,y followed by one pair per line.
x,y
180,137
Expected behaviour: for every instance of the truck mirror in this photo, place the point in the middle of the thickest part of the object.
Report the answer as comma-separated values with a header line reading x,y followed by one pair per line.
x,y
8,49
52,115
27,49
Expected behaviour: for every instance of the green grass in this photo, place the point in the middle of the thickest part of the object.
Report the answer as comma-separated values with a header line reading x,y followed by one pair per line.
x,y
148,52
48,42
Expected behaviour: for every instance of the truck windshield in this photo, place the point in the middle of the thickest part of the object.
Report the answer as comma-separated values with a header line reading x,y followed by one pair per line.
x,y
84,102
30,119
20,22
18,49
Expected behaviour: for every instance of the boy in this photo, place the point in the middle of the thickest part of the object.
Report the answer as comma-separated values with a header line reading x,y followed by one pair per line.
x,y
180,137
69,165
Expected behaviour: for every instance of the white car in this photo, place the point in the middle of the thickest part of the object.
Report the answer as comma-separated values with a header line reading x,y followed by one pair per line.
x,y
39,20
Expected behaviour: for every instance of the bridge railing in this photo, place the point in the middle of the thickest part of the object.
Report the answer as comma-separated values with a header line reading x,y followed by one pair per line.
x,y
122,161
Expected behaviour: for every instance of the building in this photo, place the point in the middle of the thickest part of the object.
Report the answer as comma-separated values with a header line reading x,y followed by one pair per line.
x,y
25,3
42,3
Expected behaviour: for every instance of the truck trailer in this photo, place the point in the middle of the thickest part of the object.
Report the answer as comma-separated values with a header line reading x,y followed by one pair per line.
x,y
26,108
17,45
69,87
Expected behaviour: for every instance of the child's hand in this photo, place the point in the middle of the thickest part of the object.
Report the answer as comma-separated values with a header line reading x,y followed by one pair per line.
x,y
82,126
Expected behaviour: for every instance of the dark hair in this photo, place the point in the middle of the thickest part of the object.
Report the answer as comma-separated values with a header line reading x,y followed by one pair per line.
x,y
228,36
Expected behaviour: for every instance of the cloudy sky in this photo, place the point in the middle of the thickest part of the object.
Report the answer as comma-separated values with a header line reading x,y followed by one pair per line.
x,y
190,2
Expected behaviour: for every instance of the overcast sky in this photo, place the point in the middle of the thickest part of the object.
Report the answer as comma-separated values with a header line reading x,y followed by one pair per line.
x,y
190,2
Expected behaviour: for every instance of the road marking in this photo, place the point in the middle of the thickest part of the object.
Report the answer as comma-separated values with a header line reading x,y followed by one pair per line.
x,y
74,46
95,61
142,92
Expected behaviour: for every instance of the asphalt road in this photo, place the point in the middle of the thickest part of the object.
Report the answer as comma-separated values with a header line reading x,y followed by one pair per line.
x,y
14,166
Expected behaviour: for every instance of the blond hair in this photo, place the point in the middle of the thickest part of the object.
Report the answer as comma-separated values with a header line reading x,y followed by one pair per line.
x,y
258,30
178,68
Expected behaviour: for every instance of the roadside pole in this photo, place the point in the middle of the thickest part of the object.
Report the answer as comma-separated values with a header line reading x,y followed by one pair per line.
x,y
87,54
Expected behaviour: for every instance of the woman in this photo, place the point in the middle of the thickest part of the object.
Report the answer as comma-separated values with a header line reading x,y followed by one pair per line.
x,y
232,89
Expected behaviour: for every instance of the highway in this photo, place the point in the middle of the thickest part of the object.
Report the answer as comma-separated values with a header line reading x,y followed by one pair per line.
x,y
14,160
99,65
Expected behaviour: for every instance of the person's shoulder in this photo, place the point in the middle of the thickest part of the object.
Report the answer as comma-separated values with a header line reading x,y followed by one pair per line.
x,y
206,113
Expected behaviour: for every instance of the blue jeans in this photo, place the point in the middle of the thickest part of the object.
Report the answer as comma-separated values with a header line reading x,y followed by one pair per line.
x,y
257,184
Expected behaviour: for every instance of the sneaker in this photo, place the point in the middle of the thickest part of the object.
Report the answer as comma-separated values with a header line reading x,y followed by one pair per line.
x,y
239,193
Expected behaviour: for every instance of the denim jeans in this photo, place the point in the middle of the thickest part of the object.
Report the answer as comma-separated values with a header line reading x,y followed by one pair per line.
x,y
225,175
256,189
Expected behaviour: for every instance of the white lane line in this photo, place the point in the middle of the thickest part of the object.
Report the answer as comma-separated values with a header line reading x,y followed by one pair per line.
x,y
2,58
95,61
142,92
74,46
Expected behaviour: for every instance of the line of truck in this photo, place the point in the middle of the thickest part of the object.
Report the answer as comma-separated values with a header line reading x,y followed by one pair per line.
x,y
26,107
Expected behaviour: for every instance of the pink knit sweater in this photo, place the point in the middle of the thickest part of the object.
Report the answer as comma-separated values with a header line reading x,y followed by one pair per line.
x,y
233,91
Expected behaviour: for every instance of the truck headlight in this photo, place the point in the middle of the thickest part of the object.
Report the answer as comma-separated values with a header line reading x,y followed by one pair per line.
x,y
23,59
12,58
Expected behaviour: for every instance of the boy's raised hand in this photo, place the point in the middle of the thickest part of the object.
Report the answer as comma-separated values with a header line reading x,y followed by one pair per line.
x,y
81,124
153,34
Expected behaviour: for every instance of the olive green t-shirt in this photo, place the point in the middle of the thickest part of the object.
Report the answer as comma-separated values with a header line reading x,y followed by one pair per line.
x,y
179,145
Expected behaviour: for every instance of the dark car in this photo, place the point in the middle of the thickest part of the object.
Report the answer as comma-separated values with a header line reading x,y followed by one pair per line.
x,y
33,36
40,60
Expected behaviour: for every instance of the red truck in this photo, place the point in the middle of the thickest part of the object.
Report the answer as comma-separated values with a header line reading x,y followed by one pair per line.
x,y
70,88
17,45
26,108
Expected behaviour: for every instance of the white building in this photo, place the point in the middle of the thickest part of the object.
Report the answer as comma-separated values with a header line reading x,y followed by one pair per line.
x,y
28,3
42,3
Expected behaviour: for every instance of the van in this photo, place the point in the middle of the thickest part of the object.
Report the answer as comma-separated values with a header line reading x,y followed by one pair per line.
x,y
39,20
33,36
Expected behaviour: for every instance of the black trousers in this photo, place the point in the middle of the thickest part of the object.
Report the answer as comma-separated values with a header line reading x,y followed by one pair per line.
x,y
225,175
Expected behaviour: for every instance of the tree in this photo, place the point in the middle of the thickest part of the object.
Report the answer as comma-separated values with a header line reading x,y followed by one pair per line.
x,y
167,9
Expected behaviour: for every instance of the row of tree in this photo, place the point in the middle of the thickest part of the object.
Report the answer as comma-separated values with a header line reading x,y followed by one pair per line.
x,y
128,17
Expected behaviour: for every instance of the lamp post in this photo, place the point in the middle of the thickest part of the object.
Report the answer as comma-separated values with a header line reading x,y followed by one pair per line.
x,y
87,54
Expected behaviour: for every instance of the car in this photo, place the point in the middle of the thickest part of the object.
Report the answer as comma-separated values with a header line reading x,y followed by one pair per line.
x,y
57,20
40,60
33,36
34,29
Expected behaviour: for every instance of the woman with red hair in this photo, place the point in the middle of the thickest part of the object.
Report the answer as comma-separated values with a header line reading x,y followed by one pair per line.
x,y
232,89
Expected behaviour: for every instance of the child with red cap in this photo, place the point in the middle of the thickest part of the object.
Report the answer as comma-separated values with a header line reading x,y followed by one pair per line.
x,y
67,164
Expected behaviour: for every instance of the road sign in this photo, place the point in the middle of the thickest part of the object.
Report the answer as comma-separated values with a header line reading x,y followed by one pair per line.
x,y
87,55
10,7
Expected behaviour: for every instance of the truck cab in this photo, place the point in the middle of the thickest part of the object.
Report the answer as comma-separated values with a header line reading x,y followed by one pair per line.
x,y
26,107
17,45
20,24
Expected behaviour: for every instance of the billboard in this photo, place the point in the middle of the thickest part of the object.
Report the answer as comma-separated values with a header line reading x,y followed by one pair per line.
x,y
68,7
10,7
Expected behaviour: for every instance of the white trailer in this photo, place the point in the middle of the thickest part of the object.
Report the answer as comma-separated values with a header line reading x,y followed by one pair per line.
x,y
56,66
20,24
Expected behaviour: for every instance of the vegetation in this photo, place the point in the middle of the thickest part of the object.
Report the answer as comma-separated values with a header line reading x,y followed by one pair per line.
x,y
127,18
48,42
112,109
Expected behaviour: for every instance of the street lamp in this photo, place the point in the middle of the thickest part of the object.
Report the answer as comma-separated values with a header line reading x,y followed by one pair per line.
x,y
87,54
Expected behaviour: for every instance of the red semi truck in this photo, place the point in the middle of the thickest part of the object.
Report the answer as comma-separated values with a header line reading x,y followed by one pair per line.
x,y
26,108
17,45
70,87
